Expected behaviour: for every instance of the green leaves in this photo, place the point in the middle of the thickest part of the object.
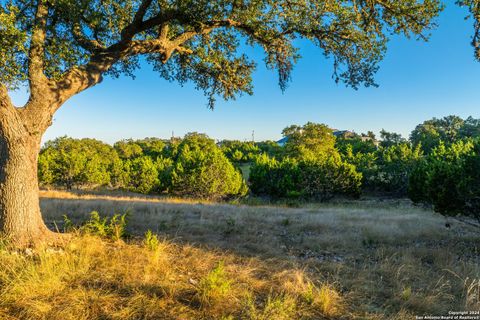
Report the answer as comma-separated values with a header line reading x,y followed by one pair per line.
x,y
317,178
69,162
201,170
205,42
309,140
449,179
12,47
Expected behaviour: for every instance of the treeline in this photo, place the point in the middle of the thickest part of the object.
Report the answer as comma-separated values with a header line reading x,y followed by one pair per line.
x,y
439,164
193,166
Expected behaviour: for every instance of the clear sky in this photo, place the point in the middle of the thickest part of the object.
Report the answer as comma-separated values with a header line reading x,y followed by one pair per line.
x,y
417,81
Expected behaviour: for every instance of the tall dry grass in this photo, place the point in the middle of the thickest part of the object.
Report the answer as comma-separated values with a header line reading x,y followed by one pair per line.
x,y
93,278
356,260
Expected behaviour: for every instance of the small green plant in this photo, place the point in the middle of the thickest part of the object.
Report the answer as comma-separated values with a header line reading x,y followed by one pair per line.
x,y
282,307
309,294
113,228
117,227
151,241
67,224
215,286
406,294
328,300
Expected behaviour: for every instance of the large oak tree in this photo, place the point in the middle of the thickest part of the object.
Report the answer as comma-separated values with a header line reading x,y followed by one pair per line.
x,y
59,48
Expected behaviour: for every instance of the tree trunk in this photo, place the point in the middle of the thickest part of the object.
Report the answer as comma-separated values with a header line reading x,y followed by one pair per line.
x,y
21,222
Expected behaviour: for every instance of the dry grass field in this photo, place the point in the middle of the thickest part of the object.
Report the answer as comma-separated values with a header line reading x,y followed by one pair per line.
x,y
350,260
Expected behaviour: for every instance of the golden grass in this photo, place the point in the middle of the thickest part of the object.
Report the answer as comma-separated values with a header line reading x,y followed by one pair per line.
x,y
355,260
115,196
95,279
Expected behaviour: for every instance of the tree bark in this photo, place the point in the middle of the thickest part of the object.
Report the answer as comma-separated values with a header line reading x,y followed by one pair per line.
x,y
21,221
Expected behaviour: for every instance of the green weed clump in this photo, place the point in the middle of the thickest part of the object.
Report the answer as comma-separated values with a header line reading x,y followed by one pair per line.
x,y
151,241
215,286
113,228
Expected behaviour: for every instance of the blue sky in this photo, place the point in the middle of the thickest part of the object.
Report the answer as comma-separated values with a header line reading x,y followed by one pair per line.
x,y
417,81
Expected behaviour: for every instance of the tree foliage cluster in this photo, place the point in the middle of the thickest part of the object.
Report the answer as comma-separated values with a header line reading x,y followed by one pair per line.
x,y
310,167
439,165
449,179
192,166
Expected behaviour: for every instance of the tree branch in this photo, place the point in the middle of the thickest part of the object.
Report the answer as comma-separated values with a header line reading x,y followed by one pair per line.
x,y
80,78
86,43
129,31
36,54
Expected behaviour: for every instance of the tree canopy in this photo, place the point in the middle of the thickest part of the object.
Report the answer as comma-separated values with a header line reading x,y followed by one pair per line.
x,y
70,44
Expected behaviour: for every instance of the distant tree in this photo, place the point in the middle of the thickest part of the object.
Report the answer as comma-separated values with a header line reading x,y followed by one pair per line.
x,y
271,148
470,128
431,132
449,179
152,147
355,145
371,135
311,178
128,149
393,167
309,140
61,48
366,163
389,139
239,152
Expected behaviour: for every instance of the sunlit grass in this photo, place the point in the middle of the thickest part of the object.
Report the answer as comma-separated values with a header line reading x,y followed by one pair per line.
x,y
93,278
356,260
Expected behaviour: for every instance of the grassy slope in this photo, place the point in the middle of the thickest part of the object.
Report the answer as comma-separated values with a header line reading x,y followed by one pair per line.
x,y
357,260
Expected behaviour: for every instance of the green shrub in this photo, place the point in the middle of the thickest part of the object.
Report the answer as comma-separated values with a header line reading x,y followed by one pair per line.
x,y
386,170
239,152
314,178
323,178
113,228
215,286
269,176
449,179
141,175
201,170
77,162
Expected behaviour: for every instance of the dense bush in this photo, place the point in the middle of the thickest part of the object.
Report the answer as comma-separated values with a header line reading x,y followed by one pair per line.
x,y
239,152
200,169
194,166
313,178
431,133
141,175
324,178
394,165
269,176
387,169
70,162
449,179
309,140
